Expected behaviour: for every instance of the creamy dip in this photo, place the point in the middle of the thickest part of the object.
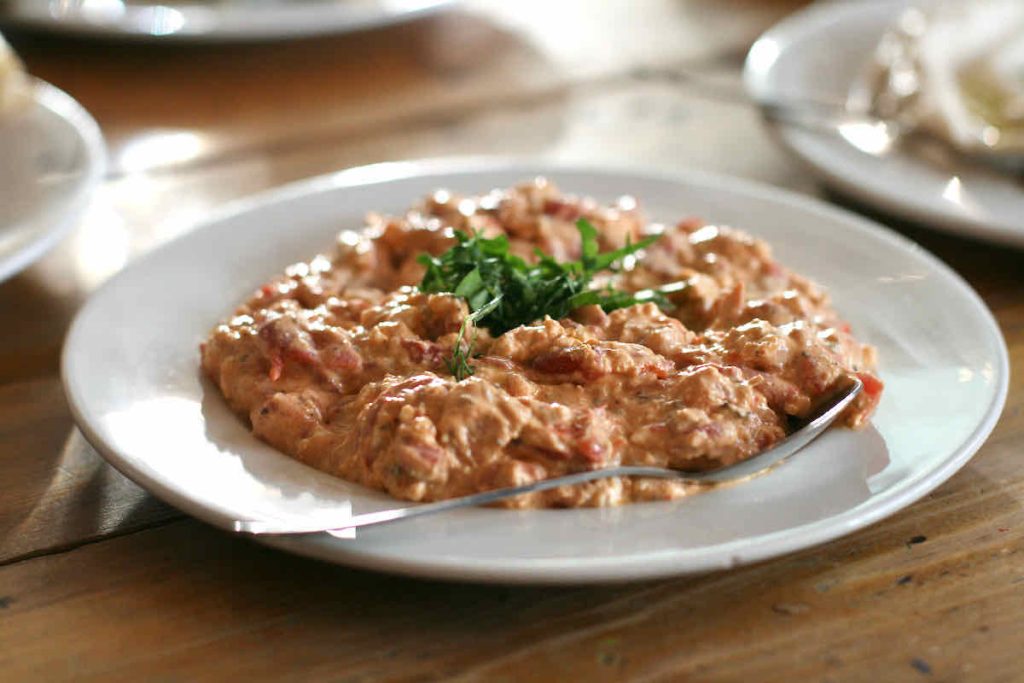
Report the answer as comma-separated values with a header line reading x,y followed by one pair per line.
x,y
341,362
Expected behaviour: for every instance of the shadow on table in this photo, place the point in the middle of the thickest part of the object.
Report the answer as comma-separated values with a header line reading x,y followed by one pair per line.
x,y
83,499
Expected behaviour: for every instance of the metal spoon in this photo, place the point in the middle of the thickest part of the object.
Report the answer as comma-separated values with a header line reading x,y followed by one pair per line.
x,y
752,467
882,136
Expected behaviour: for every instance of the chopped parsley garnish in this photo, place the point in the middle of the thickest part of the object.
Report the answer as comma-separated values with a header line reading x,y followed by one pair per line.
x,y
503,291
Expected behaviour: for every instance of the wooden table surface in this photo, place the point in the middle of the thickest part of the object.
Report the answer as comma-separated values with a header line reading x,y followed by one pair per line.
x,y
100,580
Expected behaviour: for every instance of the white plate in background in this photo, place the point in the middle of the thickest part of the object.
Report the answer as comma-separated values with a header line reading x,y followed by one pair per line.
x,y
212,20
51,159
819,54
139,397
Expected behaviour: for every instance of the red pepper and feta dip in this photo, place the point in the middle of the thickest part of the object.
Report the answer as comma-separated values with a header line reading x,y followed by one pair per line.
x,y
342,363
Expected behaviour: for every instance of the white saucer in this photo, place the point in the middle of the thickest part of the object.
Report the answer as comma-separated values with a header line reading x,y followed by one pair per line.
x,y
212,21
131,374
818,54
51,159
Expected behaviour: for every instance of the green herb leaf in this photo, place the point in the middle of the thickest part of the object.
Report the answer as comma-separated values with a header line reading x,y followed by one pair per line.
x,y
589,247
470,285
503,291
605,260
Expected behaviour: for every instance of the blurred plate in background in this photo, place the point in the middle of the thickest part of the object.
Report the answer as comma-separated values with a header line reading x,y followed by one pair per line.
x,y
818,55
212,20
51,158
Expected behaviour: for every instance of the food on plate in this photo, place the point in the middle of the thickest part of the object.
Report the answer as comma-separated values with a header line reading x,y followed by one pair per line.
x,y
956,69
481,342
13,82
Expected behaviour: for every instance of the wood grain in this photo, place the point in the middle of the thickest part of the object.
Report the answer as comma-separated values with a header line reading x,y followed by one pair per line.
x,y
100,581
194,604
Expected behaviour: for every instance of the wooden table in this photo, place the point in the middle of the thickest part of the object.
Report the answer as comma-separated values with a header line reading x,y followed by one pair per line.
x,y
99,580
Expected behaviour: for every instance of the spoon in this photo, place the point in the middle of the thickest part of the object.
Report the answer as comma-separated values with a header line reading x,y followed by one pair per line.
x,y
752,467
881,136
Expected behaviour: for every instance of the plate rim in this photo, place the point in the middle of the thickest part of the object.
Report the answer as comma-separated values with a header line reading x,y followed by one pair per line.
x,y
582,570
755,82
61,104
230,31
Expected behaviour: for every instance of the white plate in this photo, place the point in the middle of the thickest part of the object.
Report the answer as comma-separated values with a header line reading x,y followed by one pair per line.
x,y
212,21
819,53
51,158
131,374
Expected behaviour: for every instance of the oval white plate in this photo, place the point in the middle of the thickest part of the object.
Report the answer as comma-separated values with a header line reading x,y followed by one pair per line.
x,y
131,374
51,158
818,54
216,21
